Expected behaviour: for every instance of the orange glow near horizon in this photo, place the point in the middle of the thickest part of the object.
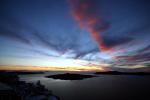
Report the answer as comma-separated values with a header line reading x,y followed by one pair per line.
x,y
38,68
57,65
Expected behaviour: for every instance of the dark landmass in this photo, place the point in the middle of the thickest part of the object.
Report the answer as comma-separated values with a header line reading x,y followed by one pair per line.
x,y
142,69
26,73
13,89
68,76
22,72
122,73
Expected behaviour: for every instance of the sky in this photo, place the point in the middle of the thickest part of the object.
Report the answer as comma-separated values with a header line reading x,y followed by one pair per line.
x,y
76,35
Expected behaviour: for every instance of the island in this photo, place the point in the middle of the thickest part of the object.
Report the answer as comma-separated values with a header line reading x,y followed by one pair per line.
x,y
70,76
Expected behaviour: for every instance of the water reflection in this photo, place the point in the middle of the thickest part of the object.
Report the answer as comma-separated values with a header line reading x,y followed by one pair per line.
x,y
104,87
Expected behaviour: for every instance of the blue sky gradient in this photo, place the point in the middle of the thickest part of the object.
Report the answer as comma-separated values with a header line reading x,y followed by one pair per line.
x,y
40,32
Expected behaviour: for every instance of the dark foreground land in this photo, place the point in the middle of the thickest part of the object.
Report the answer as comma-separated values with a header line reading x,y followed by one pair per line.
x,y
13,89
69,76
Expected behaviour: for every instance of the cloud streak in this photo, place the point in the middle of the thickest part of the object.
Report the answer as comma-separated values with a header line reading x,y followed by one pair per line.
x,y
85,13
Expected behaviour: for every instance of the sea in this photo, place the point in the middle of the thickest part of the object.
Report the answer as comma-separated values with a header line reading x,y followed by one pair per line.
x,y
103,87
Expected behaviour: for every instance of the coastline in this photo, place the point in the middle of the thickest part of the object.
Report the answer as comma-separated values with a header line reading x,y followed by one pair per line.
x,y
14,89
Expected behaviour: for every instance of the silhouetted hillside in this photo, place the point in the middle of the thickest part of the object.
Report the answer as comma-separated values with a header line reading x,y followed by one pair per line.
x,y
25,72
13,89
122,73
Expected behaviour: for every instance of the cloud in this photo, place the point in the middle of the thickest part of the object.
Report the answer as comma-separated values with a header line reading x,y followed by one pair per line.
x,y
82,54
46,43
136,58
13,36
146,49
115,41
85,13
12,29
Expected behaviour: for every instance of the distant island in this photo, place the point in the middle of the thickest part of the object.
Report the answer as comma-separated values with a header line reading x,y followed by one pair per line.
x,y
22,72
122,73
70,76
26,72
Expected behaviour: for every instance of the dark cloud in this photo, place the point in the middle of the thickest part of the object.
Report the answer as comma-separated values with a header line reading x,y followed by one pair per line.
x,y
136,58
81,54
10,28
13,36
45,42
115,41
146,49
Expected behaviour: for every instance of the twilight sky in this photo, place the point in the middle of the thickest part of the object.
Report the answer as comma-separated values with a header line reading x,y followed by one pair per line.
x,y
75,34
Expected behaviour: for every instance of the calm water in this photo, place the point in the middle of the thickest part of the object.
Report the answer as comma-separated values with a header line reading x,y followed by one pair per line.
x,y
104,87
